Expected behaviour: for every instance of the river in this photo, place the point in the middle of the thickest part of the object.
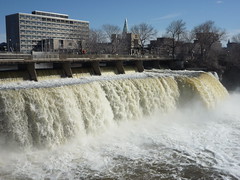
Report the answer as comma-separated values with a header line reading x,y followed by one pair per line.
x,y
153,125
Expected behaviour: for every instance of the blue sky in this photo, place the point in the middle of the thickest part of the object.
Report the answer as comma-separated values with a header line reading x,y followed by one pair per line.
x,y
158,13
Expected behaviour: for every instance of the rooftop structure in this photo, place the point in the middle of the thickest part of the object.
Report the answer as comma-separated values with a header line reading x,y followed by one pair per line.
x,y
43,13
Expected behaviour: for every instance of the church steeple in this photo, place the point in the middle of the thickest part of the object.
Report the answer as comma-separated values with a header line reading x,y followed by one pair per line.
x,y
125,27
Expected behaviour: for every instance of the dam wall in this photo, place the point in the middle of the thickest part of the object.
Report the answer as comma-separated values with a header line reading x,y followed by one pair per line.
x,y
66,67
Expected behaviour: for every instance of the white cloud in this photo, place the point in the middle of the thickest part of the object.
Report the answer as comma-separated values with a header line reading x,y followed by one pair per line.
x,y
219,2
232,32
229,35
168,16
161,32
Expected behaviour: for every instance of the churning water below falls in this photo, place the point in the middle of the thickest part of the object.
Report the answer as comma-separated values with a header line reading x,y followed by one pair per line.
x,y
150,125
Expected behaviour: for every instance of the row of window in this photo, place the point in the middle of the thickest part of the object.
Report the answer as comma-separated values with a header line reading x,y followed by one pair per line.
x,y
27,46
30,47
22,27
29,41
39,23
37,18
65,33
52,36
30,44
22,16
22,32
52,29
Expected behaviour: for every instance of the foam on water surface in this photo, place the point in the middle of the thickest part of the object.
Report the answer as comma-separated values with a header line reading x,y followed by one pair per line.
x,y
151,125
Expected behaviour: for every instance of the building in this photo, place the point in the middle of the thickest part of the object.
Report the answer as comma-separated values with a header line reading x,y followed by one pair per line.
x,y
132,43
45,31
125,43
161,47
233,53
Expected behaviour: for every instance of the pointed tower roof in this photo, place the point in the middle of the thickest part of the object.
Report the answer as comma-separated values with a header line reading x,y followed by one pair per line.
x,y
125,27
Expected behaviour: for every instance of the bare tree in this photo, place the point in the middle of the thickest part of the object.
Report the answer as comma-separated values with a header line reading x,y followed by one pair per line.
x,y
145,32
109,30
236,38
96,36
188,45
113,35
206,35
175,31
188,36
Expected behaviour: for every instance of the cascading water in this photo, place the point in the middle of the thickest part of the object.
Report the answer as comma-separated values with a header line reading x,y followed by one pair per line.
x,y
151,125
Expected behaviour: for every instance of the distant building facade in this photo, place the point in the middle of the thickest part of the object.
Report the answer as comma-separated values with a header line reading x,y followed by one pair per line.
x,y
185,50
161,46
45,31
132,43
233,52
125,43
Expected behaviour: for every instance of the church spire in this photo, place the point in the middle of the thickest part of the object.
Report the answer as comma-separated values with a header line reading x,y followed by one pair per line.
x,y
125,27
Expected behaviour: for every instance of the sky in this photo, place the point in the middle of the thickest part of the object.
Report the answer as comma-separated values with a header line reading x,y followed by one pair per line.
x,y
158,13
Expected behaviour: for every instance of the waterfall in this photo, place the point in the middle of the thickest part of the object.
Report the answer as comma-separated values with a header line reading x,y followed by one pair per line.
x,y
49,113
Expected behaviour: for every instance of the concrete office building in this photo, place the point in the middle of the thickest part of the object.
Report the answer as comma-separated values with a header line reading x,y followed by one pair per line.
x,y
45,31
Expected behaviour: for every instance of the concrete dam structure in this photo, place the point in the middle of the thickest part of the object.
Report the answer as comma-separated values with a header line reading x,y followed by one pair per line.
x,y
32,68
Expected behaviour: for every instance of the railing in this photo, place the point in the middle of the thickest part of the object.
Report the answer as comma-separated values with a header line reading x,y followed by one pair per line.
x,y
51,55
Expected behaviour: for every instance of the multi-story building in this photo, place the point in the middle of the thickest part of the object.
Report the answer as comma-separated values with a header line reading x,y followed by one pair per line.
x,y
45,31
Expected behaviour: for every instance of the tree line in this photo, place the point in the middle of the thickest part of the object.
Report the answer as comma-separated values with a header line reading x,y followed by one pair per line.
x,y
203,41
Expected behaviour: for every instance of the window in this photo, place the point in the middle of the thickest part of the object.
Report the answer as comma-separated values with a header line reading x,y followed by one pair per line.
x,y
22,16
60,43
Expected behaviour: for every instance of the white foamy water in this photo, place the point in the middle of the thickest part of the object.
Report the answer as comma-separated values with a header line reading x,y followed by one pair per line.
x,y
138,132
